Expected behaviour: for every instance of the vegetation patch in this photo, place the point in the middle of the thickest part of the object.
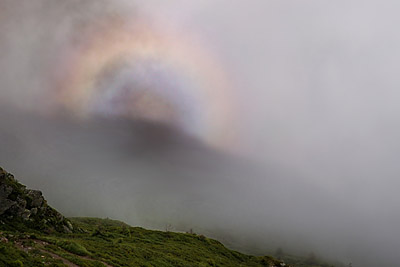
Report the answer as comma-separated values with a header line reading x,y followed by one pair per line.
x,y
73,247
34,234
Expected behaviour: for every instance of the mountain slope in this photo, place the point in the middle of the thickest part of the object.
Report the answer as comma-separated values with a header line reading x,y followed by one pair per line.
x,y
34,234
21,207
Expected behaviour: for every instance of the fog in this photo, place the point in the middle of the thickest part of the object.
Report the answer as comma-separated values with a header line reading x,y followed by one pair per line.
x,y
264,124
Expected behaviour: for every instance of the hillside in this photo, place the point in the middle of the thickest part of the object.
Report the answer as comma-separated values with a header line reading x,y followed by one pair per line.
x,y
27,208
34,234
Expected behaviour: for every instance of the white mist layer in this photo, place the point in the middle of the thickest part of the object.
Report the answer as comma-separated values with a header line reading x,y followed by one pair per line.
x,y
318,111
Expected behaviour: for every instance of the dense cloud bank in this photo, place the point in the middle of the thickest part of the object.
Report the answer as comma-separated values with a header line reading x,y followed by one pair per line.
x,y
315,120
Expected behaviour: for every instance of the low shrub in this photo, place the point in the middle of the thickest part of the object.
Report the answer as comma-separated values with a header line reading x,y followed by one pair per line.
x,y
74,248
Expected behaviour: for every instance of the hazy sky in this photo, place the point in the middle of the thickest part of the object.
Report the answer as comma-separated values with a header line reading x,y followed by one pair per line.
x,y
263,123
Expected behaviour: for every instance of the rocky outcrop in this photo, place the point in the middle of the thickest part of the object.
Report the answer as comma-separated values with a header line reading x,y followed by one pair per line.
x,y
27,207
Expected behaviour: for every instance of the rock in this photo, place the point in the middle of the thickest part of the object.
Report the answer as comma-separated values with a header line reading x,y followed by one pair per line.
x,y
5,191
5,204
36,196
67,230
28,206
26,214
34,211
69,225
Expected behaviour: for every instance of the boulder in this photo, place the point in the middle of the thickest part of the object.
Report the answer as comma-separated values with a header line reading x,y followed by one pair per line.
x,y
28,206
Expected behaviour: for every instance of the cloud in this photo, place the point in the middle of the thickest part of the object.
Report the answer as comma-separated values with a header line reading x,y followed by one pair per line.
x,y
316,90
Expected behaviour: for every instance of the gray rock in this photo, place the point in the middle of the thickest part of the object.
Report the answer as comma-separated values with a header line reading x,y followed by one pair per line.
x,y
5,204
36,196
67,230
69,225
5,191
26,214
19,203
34,211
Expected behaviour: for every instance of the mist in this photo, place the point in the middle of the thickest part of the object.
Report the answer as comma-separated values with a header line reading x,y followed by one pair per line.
x,y
293,145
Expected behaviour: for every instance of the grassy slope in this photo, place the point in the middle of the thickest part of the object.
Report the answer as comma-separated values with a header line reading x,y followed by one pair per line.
x,y
99,242
105,242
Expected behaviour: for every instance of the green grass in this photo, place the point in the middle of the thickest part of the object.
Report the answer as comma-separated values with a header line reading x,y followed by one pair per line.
x,y
103,241
73,247
121,245
14,257
43,241
97,242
